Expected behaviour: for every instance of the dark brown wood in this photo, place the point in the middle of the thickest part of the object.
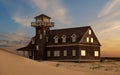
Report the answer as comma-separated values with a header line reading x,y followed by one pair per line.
x,y
80,43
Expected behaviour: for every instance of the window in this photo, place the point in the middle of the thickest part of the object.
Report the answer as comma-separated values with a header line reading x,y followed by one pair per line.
x,y
47,39
33,41
73,52
48,53
96,53
39,31
83,53
91,40
63,38
74,36
89,32
87,39
56,53
44,31
37,47
65,52
56,39
40,36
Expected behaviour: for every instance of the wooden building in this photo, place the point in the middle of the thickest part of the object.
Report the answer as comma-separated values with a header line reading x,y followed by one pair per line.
x,y
70,44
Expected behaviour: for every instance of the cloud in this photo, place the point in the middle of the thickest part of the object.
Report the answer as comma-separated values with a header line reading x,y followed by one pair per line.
x,y
53,8
107,27
112,4
23,21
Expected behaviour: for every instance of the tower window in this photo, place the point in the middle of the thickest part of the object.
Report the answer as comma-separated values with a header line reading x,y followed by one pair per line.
x,y
44,32
40,36
47,39
87,39
33,41
83,53
74,37
89,32
96,53
56,39
65,52
73,52
48,53
63,38
91,40
37,47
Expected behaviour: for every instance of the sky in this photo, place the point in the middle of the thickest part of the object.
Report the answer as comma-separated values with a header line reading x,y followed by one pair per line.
x,y
102,15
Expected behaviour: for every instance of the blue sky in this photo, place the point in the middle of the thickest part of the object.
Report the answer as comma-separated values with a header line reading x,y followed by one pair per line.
x,y
102,15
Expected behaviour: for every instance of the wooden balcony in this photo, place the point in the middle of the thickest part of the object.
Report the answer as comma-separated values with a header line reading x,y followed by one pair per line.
x,y
42,24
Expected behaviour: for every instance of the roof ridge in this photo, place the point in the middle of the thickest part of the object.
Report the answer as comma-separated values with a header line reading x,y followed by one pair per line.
x,y
72,28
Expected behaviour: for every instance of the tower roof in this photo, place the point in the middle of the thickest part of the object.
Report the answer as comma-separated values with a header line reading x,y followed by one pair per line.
x,y
43,15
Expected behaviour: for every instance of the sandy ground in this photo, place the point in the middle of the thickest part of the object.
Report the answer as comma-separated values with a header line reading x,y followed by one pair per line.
x,y
12,64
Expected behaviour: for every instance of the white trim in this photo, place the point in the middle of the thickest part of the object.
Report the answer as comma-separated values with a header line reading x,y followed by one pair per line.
x,y
63,38
69,45
75,60
56,39
74,37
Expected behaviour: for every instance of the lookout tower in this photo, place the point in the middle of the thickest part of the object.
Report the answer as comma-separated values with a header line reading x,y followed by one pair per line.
x,y
42,25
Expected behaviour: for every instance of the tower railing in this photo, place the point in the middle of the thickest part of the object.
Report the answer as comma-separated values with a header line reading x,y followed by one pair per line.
x,y
42,24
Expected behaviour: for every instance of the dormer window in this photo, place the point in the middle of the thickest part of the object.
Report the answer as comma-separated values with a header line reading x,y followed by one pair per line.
x,y
40,36
56,39
63,38
74,37
89,32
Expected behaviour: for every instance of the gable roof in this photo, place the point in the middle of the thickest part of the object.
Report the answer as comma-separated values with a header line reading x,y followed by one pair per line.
x,y
79,31
42,15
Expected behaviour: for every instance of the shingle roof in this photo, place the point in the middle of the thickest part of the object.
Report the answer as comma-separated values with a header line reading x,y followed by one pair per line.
x,y
79,31
43,15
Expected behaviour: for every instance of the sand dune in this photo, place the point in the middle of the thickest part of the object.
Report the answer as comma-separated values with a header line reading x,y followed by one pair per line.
x,y
11,64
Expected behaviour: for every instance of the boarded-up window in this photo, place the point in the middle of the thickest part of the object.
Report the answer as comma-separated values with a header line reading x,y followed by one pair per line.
x,y
73,52
83,52
48,53
56,53
65,52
